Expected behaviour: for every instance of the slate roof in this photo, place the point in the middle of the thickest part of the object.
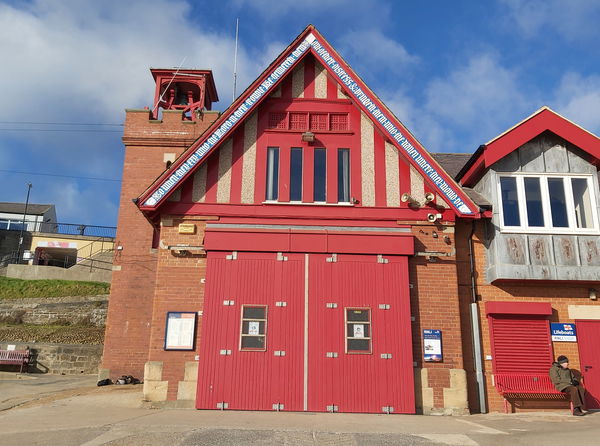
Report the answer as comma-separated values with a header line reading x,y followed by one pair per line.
x,y
452,162
19,208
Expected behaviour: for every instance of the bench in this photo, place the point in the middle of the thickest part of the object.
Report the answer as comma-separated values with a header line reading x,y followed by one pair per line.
x,y
523,385
15,357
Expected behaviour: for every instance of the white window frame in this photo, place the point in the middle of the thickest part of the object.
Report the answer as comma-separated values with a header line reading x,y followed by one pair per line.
x,y
548,228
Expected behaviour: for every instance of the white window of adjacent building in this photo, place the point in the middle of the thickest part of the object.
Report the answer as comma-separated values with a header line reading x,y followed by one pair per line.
x,y
547,203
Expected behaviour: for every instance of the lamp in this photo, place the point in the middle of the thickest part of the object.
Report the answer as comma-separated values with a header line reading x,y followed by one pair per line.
x,y
593,293
308,137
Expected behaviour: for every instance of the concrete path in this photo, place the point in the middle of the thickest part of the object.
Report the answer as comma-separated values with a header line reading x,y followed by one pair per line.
x,y
114,415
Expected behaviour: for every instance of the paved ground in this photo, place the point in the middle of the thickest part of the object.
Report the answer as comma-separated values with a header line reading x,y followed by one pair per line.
x,y
71,411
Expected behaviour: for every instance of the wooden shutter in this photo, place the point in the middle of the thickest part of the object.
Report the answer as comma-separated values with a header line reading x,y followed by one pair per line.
x,y
520,343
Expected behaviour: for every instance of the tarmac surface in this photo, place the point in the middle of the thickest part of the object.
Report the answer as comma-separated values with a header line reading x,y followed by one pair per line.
x,y
71,410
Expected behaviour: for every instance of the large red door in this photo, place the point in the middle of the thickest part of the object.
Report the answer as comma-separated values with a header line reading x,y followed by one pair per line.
x,y
360,351
252,327
588,333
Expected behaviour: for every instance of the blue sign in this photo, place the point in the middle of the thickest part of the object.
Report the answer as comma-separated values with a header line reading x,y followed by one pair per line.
x,y
563,332
432,346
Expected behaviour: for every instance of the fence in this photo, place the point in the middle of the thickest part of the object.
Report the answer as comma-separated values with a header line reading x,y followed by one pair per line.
x,y
59,228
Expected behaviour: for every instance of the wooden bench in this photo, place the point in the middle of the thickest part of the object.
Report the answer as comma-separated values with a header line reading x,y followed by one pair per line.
x,y
15,357
524,385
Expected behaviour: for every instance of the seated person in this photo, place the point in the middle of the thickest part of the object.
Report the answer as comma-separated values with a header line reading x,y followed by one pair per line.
x,y
568,381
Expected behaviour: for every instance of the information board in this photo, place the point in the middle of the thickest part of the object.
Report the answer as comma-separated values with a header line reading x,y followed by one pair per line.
x,y
180,331
432,346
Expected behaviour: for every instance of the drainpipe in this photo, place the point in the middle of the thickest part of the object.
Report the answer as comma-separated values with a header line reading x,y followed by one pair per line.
x,y
475,329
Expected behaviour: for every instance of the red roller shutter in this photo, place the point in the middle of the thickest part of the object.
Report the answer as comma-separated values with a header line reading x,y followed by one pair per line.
x,y
520,343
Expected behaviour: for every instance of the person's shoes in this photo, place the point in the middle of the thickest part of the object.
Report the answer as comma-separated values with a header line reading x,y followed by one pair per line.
x,y
577,412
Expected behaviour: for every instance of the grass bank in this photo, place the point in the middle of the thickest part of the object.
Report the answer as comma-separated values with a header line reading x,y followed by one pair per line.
x,y
19,288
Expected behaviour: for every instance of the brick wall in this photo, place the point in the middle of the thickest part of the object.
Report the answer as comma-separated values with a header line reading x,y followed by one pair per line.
x,y
128,324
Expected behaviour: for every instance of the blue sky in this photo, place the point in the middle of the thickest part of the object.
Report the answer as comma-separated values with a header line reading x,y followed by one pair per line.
x,y
456,73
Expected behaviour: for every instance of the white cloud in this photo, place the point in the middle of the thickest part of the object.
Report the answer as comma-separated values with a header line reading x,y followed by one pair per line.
x,y
578,98
574,19
376,52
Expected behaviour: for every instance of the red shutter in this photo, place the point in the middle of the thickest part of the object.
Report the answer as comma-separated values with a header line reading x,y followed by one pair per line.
x,y
520,344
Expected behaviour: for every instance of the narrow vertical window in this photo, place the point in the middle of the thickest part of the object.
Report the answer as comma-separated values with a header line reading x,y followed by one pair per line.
x,y
272,173
254,328
582,203
558,204
533,199
344,175
510,201
358,330
296,174
320,175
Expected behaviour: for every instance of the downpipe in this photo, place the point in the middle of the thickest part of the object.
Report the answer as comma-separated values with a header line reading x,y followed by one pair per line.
x,y
475,329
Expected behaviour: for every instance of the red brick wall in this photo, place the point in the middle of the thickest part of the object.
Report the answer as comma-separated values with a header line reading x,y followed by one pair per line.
x,y
132,290
435,303
560,296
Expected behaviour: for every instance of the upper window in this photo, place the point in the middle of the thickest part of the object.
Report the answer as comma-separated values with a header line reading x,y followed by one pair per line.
x,y
304,121
547,203
254,328
358,330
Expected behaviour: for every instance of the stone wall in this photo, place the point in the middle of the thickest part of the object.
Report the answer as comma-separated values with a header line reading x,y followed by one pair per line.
x,y
77,310
61,359
36,272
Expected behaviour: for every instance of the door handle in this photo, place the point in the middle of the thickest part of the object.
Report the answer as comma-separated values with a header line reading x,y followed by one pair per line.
x,y
587,367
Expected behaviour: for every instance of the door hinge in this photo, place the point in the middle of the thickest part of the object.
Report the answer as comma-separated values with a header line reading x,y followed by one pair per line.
x,y
381,259
332,408
225,352
386,356
279,352
331,355
281,257
228,302
387,409
281,304
384,306
331,259
222,405
232,256
331,305
278,407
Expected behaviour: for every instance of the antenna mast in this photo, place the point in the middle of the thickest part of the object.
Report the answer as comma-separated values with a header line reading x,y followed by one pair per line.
x,y
237,23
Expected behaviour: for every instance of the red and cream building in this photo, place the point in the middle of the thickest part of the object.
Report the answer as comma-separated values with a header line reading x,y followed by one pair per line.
x,y
301,251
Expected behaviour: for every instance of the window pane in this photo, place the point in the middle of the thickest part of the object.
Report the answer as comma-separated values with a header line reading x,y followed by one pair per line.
x,y
320,175
257,342
510,201
343,175
272,173
582,203
253,327
533,198
558,205
359,345
358,331
357,315
254,312
296,174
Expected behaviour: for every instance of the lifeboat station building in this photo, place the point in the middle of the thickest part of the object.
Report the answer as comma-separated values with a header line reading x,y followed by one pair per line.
x,y
302,251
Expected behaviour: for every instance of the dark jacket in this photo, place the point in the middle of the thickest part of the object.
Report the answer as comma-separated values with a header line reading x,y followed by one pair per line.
x,y
561,378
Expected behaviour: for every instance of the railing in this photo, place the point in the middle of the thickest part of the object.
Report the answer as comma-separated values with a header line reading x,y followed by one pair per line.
x,y
59,228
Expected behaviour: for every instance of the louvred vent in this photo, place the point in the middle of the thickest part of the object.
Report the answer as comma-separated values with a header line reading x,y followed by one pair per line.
x,y
339,122
298,121
318,122
277,121
521,344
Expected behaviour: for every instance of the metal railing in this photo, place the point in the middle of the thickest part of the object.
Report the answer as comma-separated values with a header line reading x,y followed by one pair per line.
x,y
59,228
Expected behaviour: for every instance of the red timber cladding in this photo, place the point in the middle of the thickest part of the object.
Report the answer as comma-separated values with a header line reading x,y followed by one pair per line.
x,y
559,295
236,172
127,337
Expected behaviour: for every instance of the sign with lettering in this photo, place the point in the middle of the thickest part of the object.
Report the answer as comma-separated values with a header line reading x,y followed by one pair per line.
x,y
432,346
563,332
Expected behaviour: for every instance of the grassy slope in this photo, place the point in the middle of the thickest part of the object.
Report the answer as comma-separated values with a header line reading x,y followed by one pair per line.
x,y
18,288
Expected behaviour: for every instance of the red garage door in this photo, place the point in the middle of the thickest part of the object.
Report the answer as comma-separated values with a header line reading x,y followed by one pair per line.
x,y
306,332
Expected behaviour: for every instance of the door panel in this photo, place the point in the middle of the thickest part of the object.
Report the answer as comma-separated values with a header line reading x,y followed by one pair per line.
x,y
588,333
360,382
252,379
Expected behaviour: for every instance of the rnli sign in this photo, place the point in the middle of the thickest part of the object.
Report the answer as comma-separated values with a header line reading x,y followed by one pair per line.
x,y
563,332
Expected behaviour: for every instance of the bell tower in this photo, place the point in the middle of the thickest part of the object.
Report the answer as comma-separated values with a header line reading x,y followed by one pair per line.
x,y
190,90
